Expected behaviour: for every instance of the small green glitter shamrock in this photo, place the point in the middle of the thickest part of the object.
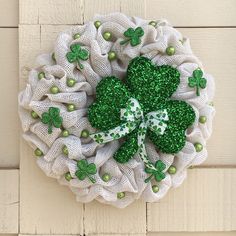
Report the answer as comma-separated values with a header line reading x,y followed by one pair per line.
x,y
197,80
133,35
52,118
77,53
153,87
85,170
158,173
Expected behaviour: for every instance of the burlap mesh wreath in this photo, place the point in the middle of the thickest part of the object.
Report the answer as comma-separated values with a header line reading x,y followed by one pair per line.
x,y
121,140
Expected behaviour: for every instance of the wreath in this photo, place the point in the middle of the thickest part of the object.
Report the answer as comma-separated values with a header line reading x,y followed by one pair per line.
x,y
119,110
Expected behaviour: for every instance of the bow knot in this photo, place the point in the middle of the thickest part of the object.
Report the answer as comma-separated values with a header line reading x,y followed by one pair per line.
x,y
133,118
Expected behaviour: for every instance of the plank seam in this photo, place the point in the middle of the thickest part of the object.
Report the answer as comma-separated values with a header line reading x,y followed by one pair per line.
x,y
177,27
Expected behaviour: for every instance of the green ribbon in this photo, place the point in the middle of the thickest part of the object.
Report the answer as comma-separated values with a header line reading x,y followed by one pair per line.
x,y
133,118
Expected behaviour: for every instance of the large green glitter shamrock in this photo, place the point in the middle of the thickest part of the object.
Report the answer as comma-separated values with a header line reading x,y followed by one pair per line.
x,y
52,118
86,170
152,86
77,53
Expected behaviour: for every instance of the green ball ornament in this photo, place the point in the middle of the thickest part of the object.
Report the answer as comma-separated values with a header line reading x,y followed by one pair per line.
x,y
120,195
106,177
65,133
97,24
65,150
54,90
111,55
155,188
70,107
38,152
202,119
170,51
84,133
153,23
172,170
76,36
68,176
34,115
107,36
53,56
198,147
70,82
41,75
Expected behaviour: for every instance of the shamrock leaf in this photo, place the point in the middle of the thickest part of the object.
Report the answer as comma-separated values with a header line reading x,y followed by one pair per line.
x,y
150,84
86,170
181,116
77,53
197,81
153,87
52,118
133,35
105,112
158,173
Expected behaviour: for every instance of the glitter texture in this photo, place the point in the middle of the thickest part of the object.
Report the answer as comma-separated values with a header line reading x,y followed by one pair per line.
x,y
152,86
111,95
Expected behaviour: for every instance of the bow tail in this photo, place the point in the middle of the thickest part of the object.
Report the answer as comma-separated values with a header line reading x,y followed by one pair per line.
x,y
115,133
142,150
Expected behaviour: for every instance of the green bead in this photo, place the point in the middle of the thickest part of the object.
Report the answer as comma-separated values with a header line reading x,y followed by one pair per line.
x,y
155,188
170,51
38,152
111,55
70,82
211,104
198,147
76,36
34,115
97,23
41,75
54,90
172,170
53,56
120,195
107,36
65,133
153,23
84,133
202,119
65,150
68,176
70,107
106,177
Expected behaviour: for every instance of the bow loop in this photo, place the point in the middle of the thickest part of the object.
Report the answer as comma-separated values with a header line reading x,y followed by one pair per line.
x,y
156,121
133,118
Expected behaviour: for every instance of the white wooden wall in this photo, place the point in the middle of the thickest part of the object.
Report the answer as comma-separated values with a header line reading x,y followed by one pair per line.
x,y
32,204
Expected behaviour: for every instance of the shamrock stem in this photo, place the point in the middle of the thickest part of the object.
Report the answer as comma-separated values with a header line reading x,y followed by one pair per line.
x,y
148,179
124,41
80,65
198,94
50,127
91,179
